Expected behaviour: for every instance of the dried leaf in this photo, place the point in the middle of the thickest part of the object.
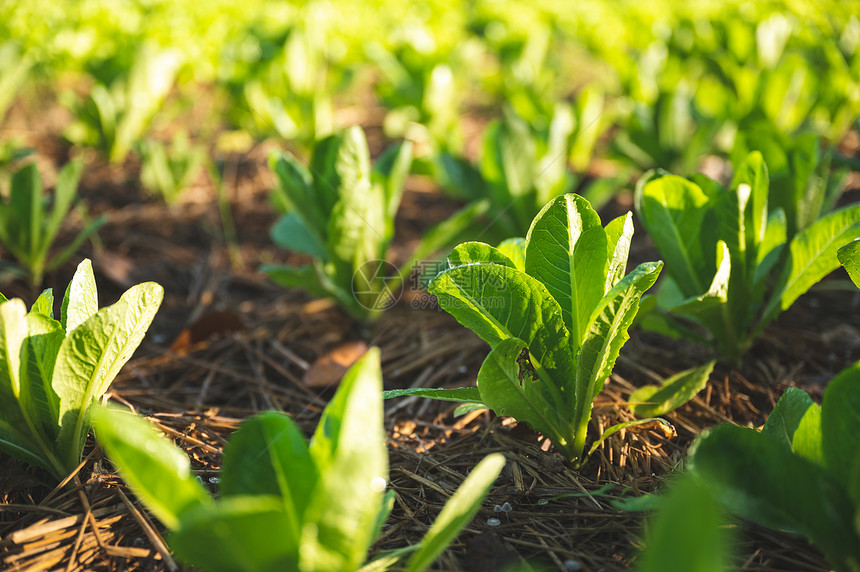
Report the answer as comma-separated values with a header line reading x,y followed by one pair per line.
x,y
330,368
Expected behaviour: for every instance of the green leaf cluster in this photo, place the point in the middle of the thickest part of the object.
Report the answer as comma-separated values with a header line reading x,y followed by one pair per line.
x,y
421,89
341,213
801,182
667,132
801,473
116,115
522,168
849,257
702,84
51,372
168,170
14,72
555,309
285,504
287,86
688,533
29,224
732,267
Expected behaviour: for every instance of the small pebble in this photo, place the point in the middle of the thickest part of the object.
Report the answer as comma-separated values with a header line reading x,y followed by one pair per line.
x,y
493,522
572,565
378,484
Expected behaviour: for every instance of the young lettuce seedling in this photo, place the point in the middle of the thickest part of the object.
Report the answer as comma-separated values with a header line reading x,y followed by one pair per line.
x,y
28,231
51,372
666,131
555,309
168,170
340,212
284,504
290,90
115,116
732,269
14,72
422,90
801,181
520,169
801,473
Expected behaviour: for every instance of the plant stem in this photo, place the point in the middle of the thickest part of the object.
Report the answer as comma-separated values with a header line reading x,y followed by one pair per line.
x,y
731,347
574,451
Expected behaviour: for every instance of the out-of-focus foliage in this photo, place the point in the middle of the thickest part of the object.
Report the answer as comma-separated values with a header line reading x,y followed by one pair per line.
x,y
14,70
30,221
167,171
737,58
662,85
117,113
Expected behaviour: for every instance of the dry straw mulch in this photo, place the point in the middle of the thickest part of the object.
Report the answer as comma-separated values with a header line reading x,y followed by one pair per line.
x,y
243,346
554,516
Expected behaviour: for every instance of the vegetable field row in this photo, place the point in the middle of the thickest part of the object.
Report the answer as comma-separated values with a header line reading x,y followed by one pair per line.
x,y
399,285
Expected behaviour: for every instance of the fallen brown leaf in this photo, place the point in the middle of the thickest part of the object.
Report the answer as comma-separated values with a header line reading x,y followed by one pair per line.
x,y
329,368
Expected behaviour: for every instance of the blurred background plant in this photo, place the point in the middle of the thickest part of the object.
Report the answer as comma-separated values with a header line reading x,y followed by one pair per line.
x,y
167,170
117,112
587,97
14,71
30,221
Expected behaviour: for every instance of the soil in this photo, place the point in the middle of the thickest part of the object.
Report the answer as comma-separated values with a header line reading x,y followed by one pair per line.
x,y
228,343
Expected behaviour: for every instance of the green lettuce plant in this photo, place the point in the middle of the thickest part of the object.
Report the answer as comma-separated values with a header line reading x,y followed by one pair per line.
x,y
530,67
53,371
422,90
801,182
668,132
29,226
287,84
284,504
14,71
115,116
168,171
555,309
341,213
731,266
519,171
522,168
800,473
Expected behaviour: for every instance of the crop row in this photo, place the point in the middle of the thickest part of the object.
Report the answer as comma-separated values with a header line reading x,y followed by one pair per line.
x,y
555,308
766,92
669,85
